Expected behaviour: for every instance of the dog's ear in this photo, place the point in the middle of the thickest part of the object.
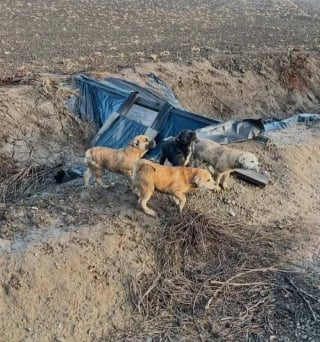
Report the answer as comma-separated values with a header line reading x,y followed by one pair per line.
x,y
135,142
196,180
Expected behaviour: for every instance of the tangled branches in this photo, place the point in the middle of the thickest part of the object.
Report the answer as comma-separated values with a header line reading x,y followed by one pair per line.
x,y
209,280
16,181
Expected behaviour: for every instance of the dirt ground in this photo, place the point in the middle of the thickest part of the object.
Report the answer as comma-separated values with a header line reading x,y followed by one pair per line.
x,y
78,35
70,261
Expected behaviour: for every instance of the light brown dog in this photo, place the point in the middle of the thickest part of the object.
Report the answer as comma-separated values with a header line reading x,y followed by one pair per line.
x,y
223,159
176,181
99,159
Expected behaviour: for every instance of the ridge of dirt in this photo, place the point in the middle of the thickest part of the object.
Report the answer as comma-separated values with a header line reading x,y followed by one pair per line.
x,y
249,86
68,258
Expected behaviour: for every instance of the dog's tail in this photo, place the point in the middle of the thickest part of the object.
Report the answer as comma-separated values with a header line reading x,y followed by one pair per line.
x,y
89,160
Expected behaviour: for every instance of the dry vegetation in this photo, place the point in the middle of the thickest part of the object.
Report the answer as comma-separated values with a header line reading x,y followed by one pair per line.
x,y
212,269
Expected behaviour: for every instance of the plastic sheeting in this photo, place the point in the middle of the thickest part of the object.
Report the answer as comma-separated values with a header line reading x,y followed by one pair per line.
x,y
121,133
275,124
156,110
96,102
231,131
156,107
156,89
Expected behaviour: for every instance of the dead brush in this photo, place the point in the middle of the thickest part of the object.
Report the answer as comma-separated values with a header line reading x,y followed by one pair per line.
x,y
210,270
18,181
57,92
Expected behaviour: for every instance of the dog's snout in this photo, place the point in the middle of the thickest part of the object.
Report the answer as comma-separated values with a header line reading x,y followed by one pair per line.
x,y
258,167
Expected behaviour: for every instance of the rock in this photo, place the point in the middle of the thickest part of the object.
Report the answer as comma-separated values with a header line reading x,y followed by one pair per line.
x,y
154,57
165,53
232,213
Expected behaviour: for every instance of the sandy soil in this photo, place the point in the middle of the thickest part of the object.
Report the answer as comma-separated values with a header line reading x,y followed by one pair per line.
x,y
74,35
67,258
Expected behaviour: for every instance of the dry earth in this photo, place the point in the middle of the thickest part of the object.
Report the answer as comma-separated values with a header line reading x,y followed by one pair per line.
x,y
69,260
78,35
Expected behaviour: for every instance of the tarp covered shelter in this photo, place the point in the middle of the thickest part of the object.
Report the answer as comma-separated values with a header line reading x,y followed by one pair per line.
x,y
122,110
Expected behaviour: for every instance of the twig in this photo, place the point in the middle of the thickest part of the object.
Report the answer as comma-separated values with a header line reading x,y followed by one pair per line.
x,y
237,284
193,309
300,293
227,282
149,290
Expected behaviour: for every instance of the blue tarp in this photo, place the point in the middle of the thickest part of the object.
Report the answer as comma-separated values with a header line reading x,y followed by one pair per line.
x,y
120,133
275,124
157,108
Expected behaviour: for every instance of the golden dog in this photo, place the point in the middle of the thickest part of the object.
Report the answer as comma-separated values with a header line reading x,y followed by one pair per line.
x,y
176,181
223,159
99,159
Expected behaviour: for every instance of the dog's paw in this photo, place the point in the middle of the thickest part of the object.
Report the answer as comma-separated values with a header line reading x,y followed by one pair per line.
x,y
150,212
216,189
181,208
225,186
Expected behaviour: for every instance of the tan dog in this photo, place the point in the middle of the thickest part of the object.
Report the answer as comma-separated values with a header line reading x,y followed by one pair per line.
x,y
223,159
99,159
176,181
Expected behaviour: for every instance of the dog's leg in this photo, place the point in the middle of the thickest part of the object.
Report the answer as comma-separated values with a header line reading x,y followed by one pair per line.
x,y
101,183
218,180
182,199
210,169
225,179
86,177
162,159
143,200
175,200
128,174
98,175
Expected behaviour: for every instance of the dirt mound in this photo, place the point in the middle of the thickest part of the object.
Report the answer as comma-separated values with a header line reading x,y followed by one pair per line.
x,y
252,86
62,285
77,266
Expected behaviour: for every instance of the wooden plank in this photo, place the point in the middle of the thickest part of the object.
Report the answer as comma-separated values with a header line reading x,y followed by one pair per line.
x,y
151,133
253,177
130,101
105,126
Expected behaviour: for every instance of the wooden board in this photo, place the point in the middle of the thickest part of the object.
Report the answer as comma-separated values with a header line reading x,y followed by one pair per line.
x,y
253,177
113,116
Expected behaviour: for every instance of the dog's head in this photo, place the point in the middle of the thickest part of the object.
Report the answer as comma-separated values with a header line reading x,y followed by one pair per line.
x,y
204,180
248,160
186,137
143,143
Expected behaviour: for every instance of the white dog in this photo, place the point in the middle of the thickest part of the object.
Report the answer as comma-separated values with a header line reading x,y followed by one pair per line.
x,y
223,159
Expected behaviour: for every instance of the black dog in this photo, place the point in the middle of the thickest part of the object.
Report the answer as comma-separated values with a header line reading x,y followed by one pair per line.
x,y
178,150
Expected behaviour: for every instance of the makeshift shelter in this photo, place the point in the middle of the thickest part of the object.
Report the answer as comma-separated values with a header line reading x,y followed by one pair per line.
x,y
122,110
